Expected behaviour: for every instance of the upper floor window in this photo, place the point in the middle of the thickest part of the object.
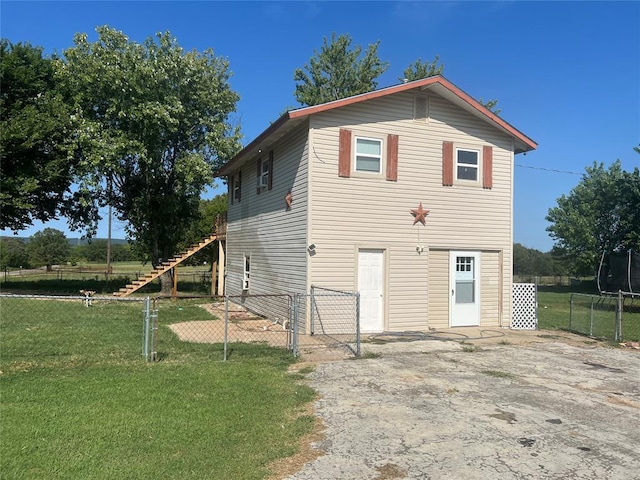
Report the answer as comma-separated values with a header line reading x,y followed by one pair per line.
x,y
368,155
463,165
264,173
467,164
263,178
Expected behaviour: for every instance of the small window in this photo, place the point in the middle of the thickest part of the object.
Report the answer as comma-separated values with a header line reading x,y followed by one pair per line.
x,y
247,273
467,165
368,155
263,179
237,187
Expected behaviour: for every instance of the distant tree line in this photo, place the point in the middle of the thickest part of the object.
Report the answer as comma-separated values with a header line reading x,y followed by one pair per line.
x,y
50,247
529,261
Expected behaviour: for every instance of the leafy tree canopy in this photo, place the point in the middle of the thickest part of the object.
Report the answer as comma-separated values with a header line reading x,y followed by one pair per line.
x,y
338,71
153,120
208,210
419,70
13,253
490,105
529,261
48,247
601,214
34,124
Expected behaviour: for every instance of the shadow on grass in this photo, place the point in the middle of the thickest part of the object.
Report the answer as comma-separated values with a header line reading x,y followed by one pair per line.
x,y
588,287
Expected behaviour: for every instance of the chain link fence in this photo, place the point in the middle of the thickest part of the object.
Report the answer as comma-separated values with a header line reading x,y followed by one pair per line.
x,y
48,329
323,324
612,317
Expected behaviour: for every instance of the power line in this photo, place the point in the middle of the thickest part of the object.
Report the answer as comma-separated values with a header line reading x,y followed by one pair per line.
x,y
549,169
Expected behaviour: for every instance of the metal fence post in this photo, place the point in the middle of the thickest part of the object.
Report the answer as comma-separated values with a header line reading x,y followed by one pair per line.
x,y
146,314
154,328
591,319
617,335
226,326
296,326
312,309
357,324
570,310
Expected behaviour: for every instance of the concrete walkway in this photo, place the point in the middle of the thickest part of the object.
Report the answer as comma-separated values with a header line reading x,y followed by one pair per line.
x,y
501,405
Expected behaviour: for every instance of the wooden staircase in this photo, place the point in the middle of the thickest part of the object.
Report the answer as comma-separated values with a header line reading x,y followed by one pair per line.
x,y
164,267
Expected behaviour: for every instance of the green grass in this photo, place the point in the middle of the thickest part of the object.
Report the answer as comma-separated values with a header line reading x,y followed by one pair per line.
x,y
78,401
554,305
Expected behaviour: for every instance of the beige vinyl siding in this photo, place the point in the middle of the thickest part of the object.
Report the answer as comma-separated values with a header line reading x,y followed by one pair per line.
x,y
260,225
349,211
490,289
439,289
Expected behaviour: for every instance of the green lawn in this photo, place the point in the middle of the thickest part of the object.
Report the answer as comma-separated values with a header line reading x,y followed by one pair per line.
x,y
78,401
554,305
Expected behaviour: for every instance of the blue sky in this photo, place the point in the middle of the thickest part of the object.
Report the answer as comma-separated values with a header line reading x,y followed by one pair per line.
x,y
567,74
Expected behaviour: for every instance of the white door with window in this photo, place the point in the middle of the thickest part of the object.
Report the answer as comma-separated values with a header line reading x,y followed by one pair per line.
x,y
371,288
464,287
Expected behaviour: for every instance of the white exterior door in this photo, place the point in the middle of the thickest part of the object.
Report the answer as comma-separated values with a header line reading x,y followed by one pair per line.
x,y
464,286
371,288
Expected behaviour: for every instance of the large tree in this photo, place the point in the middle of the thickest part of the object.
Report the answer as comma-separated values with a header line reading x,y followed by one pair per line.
x,y
419,70
208,211
338,71
153,125
13,253
424,69
36,174
48,247
600,215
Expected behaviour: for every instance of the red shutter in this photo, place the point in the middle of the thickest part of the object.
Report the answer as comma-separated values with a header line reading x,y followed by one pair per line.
x,y
270,179
344,154
258,173
230,185
487,167
239,180
447,164
392,158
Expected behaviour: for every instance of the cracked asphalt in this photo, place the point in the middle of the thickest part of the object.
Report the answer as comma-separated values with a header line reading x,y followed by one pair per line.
x,y
450,410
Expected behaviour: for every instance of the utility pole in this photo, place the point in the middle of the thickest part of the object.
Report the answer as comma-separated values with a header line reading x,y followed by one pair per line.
x,y
109,271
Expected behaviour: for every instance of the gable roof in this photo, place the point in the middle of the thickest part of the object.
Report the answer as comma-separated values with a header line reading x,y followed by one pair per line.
x,y
438,85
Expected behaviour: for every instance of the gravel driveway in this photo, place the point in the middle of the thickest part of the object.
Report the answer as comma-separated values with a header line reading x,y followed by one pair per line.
x,y
445,410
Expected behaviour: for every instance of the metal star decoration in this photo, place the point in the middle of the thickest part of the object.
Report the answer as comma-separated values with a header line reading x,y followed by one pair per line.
x,y
420,215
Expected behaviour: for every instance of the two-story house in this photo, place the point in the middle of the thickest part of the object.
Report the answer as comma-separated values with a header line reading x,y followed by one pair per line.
x,y
404,194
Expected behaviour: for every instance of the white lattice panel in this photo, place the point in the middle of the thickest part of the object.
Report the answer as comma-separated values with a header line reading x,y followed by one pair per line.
x,y
524,307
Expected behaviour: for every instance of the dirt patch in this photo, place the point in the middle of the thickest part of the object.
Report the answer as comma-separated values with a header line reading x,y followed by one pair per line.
x,y
308,450
390,471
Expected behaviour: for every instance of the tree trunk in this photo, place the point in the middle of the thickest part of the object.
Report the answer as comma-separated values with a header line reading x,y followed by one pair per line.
x,y
166,283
